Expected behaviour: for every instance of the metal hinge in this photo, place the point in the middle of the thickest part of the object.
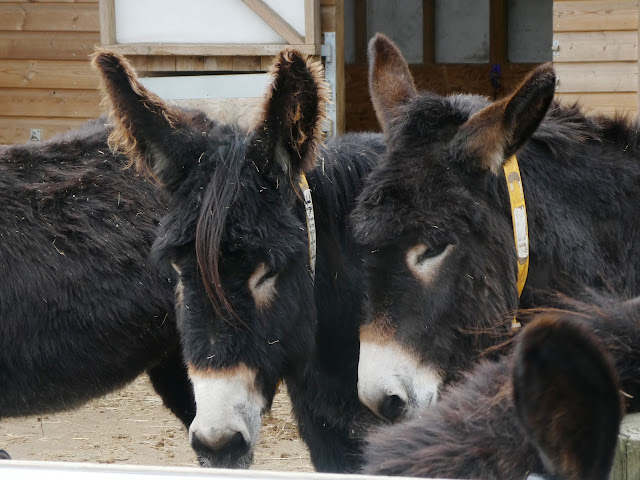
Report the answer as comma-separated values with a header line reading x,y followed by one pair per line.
x,y
555,48
328,51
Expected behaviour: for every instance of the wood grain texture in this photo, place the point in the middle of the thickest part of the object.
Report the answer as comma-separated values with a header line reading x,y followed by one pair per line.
x,y
29,17
593,15
47,45
169,49
47,74
612,46
597,77
22,102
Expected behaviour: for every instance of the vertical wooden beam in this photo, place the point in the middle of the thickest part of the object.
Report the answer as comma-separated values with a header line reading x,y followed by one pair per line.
x,y
428,32
498,31
340,103
360,30
107,22
312,33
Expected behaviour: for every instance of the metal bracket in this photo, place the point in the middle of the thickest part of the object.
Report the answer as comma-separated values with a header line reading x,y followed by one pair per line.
x,y
34,135
555,48
328,51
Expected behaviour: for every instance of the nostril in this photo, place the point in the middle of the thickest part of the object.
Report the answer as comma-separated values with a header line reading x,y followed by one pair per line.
x,y
392,407
233,445
237,444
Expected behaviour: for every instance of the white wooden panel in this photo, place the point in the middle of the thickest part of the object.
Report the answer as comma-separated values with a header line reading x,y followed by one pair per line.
x,y
208,86
201,21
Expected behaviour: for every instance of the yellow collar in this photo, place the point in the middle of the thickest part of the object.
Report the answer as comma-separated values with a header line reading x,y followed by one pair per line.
x,y
519,220
311,223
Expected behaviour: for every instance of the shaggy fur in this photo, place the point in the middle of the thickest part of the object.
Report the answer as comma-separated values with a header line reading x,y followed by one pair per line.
x,y
440,185
83,310
551,407
235,204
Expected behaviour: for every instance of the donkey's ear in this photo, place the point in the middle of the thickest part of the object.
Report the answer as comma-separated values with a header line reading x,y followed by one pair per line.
x,y
289,132
495,133
567,397
160,140
390,82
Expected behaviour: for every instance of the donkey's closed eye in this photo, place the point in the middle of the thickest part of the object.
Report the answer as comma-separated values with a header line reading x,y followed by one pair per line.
x,y
262,284
425,262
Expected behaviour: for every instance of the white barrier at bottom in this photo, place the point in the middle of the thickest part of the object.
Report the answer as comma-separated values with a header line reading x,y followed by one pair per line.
x,y
23,470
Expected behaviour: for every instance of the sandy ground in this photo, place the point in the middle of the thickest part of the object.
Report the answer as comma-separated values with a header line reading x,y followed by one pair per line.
x,y
131,426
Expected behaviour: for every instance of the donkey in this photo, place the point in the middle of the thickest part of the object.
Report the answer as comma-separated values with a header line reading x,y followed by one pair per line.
x,y
553,406
253,304
436,222
83,310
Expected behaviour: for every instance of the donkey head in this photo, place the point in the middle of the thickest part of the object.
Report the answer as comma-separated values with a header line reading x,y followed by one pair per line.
x,y
442,259
236,236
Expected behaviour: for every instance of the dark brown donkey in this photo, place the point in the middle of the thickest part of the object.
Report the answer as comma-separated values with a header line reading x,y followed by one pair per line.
x,y
252,308
435,219
83,309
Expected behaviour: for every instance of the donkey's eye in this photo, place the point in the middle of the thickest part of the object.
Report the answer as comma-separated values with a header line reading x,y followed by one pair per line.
x,y
425,262
431,253
262,284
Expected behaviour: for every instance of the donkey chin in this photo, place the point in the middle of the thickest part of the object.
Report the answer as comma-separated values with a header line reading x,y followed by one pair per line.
x,y
226,427
393,383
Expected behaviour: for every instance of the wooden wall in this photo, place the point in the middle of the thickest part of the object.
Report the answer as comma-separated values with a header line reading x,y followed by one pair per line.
x,y
596,56
45,79
46,82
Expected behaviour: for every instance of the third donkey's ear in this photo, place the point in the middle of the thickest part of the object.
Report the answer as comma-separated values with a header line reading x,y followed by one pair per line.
x,y
289,132
567,396
391,84
160,140
498,131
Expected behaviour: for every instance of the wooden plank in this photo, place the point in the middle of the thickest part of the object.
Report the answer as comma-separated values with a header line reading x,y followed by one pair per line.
x,y
45,18
49,103
591,15
497,31
218,64
275,21
207,49
428,31
16,130
626,464
327,18
340,93
107,22
47,45
246,64
597,77
360,27
161,64
47,74
607,103
614,46
189,64
266,63
312,32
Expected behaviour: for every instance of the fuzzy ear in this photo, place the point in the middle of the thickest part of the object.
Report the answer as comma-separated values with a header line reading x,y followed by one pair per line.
x,y
390,82
495,133
160,140
289,131
567,396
